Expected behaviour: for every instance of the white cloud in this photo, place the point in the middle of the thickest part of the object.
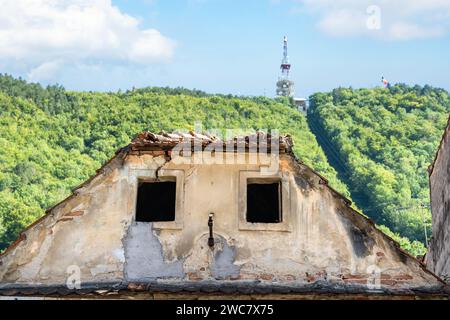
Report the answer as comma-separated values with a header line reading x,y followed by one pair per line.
x,y
405,31
46,71
399,19
342,22
43,35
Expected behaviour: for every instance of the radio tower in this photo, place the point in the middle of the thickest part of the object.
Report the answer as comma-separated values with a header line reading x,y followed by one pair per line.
x,y
285,87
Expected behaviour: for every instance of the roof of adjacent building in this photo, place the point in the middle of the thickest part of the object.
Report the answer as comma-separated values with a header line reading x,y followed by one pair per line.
x,y
165,141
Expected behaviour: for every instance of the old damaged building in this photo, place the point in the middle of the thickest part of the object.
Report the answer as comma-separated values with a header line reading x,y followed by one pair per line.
x,y
192,216
438,256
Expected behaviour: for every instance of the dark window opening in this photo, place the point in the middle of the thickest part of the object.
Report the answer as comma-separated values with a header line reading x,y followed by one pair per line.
x,y
156,201
264,202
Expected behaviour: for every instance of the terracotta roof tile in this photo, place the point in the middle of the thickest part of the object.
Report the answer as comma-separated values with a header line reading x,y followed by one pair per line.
x,y
163,141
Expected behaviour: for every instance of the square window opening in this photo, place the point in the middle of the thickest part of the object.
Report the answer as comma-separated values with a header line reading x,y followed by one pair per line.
x,y
156,201
264,202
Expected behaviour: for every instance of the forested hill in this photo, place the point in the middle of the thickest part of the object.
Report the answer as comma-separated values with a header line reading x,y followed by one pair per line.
x,y
381,141
51,140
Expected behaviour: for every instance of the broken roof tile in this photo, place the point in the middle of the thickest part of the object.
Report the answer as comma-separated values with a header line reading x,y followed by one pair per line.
x,y
164,140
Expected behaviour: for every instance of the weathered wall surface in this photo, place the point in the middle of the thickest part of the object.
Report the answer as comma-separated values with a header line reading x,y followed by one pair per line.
x,y
323,239
84,231
438,257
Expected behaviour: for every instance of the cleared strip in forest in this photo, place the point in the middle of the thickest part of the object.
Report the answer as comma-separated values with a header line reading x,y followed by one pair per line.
x,y
334,159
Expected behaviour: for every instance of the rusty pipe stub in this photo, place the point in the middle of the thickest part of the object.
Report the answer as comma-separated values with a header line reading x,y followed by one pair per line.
x,y
211,235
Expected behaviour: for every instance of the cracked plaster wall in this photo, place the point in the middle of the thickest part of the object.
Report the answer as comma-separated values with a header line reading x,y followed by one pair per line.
x,y
95,230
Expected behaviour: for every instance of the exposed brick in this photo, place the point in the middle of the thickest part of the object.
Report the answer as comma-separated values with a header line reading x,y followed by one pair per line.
x,y
354,276
265,276
158,153
136,287
74,213
403,277
247,276
310,277
388,282
194,276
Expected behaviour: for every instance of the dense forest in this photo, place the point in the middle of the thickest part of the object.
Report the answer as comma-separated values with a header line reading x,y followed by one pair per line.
x,y
381,141
52,139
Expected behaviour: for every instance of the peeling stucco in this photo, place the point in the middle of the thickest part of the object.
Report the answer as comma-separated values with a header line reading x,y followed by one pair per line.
x,y
144,255
223,266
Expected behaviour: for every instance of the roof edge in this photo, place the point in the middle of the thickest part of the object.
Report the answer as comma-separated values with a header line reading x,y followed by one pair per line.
x,y
219,286
446,131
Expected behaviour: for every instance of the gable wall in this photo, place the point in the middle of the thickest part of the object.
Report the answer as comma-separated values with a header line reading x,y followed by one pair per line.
x,y
95,230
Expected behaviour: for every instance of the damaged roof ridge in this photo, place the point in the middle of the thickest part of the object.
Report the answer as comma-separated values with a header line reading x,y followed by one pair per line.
x,y
165,140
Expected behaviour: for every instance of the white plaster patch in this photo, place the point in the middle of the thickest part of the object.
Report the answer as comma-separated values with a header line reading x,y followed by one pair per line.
x,y
119,254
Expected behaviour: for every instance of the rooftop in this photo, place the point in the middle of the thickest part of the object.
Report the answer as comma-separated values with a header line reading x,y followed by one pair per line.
x,y
260,141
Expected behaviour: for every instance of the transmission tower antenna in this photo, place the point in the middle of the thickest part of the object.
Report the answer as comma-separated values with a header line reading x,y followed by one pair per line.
x,y
285,87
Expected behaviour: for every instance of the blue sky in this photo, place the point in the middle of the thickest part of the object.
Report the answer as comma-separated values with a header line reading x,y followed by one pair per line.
x,y
226,46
